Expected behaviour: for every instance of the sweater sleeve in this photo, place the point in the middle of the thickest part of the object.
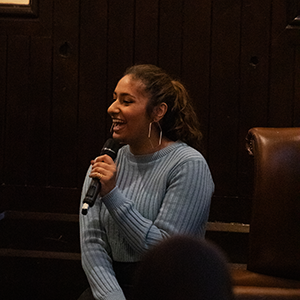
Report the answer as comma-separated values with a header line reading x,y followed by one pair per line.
x,y
95,257
184,209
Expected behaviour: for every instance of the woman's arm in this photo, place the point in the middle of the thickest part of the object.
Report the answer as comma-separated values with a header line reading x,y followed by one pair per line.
x,y
95,257
184,209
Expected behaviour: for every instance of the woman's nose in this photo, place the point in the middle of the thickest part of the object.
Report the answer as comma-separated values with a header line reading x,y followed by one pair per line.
x,y
113,108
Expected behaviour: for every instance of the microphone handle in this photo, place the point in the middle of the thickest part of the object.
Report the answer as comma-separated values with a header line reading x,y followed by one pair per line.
x,y
110,148
91,195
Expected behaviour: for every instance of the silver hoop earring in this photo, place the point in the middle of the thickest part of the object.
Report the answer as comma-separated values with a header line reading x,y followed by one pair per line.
x,y
160,133
149,130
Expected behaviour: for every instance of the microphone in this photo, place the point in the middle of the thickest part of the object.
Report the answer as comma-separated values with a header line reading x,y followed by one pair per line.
x,y
110,148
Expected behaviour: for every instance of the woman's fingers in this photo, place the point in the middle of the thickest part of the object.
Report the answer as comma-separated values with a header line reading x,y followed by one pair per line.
x,y
104,168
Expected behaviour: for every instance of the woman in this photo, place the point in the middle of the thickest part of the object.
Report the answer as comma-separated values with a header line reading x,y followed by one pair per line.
x,y
157,187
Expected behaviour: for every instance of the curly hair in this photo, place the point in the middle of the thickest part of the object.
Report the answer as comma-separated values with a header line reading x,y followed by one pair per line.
x,y
180,121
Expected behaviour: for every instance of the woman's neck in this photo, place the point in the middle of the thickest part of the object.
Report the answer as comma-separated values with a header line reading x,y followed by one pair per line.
x,y
149,147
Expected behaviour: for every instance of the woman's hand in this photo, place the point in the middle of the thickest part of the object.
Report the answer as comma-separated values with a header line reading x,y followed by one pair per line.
x,y
104,168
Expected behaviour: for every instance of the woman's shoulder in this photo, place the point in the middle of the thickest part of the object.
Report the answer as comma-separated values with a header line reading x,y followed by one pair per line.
x,y
185,159
186,152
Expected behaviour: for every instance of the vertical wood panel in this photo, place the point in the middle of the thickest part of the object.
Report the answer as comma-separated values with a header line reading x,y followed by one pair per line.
x,y
281,87
170,36
120,40
196,59
254,70
282,77
279,17
224,95
53,104
65,94
146,32
92,82
3,51
16,134
296,119
39,107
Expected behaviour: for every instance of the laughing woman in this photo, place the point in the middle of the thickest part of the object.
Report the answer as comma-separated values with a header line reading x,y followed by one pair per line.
x,y
159,185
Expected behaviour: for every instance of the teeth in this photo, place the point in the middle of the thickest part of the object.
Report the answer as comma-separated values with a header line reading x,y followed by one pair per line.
x,y
116,122
115,125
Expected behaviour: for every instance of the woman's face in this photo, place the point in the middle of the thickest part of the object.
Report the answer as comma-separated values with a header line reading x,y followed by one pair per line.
x,y
128,112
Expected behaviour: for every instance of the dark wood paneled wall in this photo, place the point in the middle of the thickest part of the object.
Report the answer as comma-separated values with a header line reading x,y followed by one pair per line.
x,y
239,59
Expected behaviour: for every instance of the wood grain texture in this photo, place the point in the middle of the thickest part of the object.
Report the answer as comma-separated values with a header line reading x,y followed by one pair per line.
x,y
239,61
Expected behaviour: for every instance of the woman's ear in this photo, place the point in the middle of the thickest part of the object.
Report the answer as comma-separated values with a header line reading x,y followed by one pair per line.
x,y
159,111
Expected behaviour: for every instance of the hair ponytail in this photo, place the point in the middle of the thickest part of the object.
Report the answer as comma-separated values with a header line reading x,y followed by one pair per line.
x,y
186,126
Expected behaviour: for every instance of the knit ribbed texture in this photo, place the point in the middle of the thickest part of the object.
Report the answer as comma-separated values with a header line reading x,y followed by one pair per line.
x,y
157,195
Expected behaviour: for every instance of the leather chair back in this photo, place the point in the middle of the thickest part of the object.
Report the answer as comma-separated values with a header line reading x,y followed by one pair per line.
x,y
274,239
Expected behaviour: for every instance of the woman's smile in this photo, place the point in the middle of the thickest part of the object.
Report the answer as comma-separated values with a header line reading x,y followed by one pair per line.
x,y
118,125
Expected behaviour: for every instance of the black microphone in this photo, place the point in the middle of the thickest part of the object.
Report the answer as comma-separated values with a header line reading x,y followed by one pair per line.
x,y
110,148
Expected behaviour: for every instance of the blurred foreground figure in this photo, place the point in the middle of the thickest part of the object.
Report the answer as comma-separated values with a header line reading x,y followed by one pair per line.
x,y
182,268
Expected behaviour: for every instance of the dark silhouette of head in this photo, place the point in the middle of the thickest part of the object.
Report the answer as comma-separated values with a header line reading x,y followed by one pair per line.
x,y
183,268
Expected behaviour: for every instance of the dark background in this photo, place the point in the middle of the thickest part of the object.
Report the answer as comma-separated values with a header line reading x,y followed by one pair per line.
x,y
240,60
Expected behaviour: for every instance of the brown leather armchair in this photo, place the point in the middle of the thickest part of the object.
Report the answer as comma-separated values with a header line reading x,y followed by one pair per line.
x,y
274,239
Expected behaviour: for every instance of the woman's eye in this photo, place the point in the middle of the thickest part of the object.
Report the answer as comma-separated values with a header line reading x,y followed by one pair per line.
x,y
127,101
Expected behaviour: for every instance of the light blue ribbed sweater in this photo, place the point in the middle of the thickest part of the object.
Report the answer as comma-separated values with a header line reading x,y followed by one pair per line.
x,y
157,195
